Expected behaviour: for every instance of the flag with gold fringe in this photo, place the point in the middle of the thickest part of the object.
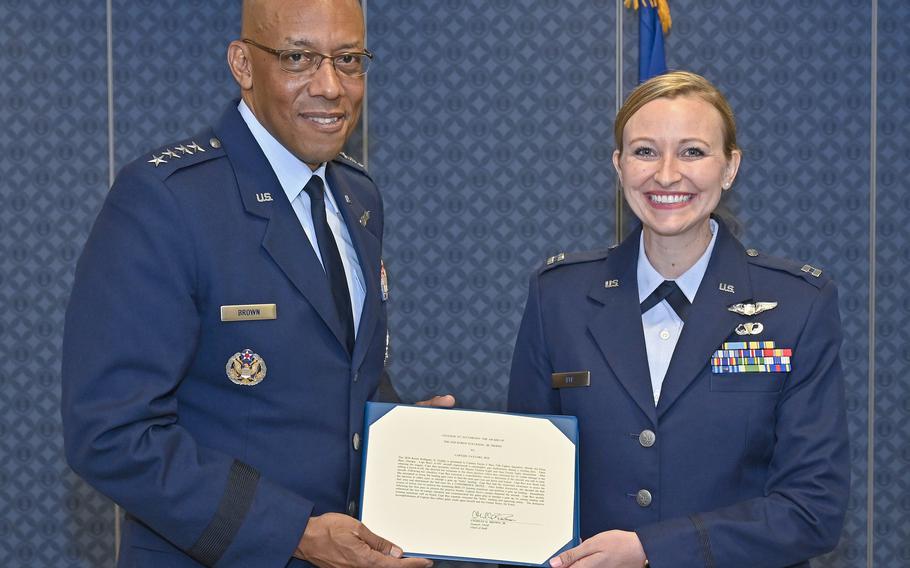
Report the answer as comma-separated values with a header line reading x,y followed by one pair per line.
x,y
653,22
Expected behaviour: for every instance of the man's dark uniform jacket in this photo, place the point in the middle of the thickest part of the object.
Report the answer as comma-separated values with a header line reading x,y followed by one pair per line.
x,y
210,470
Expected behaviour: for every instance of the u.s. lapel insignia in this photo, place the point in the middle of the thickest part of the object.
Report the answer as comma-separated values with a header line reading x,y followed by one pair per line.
x,y
752,308
245,368
728,288
749,328
347,198
364,219
383,281
611,283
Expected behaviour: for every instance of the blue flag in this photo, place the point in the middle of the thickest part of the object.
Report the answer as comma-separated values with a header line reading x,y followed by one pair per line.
x,y
652,60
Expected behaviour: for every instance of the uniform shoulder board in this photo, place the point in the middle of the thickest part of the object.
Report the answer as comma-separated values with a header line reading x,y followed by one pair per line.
x,y
564,259
173,157
349,162
343,158
815,276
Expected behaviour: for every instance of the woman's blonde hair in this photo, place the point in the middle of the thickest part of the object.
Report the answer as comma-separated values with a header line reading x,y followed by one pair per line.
x,y
677,84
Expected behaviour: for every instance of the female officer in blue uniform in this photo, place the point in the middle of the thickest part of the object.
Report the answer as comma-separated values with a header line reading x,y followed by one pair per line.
x,y
711,397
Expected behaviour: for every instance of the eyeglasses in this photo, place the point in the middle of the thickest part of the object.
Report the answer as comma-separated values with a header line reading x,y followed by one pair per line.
x,y
349,64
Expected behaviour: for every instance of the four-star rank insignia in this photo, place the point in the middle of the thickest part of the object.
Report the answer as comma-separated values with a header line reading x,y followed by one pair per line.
x,y
245,368
176,153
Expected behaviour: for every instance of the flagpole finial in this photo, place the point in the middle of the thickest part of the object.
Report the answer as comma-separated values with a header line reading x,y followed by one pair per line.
x,y
663,11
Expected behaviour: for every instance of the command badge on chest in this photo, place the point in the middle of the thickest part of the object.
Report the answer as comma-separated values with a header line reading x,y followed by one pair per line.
x,y
245,368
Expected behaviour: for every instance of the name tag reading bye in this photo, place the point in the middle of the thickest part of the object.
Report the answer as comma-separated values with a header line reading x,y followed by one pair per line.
x,y
570,380
249,312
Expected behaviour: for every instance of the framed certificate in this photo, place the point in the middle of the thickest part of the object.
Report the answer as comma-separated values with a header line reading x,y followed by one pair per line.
x,y
469,485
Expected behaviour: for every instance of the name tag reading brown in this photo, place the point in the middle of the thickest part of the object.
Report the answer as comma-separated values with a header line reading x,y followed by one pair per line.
x,y
573,379
249,312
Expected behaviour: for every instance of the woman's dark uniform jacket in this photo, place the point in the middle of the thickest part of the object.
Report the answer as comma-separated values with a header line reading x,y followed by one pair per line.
x,y
746,469
206,468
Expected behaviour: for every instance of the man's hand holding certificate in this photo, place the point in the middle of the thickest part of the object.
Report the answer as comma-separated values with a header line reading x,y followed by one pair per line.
x,y
471,485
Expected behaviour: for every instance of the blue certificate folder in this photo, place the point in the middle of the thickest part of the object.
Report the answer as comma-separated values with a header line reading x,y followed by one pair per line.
x,y
568,425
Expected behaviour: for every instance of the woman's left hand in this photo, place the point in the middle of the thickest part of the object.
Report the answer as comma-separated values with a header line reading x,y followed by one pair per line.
x,y
610,549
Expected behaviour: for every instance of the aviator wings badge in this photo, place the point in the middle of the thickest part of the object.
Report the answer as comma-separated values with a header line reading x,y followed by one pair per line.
x,y
751,309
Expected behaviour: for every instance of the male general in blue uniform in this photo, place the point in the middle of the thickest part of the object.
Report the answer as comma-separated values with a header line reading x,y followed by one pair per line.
x,y
228,318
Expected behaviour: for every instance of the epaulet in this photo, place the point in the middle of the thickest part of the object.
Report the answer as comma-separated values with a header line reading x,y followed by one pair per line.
x,y
809,273
173,157
343,158
565,259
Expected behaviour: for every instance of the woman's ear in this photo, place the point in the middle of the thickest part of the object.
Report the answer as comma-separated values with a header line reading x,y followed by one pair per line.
x,y
616,166
732,168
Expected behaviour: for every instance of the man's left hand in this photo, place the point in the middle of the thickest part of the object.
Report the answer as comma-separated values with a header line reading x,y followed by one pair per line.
x,y
442,401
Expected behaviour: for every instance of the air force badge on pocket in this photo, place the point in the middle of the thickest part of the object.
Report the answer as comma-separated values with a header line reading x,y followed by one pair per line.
x,y
245,368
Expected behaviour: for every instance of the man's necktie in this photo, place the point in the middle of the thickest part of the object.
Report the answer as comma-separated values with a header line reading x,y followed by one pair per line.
x,y
668,290
331,259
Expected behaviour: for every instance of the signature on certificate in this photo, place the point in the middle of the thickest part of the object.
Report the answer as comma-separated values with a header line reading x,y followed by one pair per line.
x,y
483,520
492,516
